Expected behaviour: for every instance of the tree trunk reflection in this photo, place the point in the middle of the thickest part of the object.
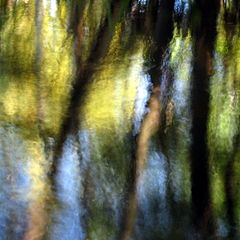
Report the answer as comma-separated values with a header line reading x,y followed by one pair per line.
x,y
204,33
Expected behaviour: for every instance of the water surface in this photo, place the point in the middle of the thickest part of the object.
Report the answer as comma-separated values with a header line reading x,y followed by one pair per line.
x,y
119,119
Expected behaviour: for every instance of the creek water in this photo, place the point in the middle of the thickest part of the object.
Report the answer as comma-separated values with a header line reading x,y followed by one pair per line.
x,y
119,119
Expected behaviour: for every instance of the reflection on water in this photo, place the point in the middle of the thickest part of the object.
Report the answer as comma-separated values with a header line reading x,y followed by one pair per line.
x,y
119,119
67,219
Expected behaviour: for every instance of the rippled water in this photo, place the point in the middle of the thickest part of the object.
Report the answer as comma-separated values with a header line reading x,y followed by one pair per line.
x,y
119,119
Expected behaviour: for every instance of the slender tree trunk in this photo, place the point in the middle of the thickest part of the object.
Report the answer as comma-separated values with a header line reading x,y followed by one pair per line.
x,y
37,216
150,126
84,75
7,5
161,26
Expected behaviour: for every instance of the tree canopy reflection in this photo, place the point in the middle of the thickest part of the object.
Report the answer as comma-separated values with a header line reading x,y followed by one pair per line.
x,y
119,119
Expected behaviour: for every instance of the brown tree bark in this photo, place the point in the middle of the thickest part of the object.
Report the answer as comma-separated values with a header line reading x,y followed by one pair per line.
x,y
159,23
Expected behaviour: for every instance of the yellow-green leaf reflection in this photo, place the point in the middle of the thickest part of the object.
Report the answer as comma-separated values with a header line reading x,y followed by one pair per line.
x,y
35,79
224,120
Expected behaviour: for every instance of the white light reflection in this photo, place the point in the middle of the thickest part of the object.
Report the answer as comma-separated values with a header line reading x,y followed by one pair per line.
x,y
181,6
142,2
52,6
68,219
14,183
222,230
143,94
152,187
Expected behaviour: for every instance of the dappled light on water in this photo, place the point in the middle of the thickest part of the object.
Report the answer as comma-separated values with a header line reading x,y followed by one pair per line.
x,y
119,119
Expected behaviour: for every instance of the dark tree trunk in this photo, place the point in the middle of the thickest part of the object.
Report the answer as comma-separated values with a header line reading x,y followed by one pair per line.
x,y
84,75
204,35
